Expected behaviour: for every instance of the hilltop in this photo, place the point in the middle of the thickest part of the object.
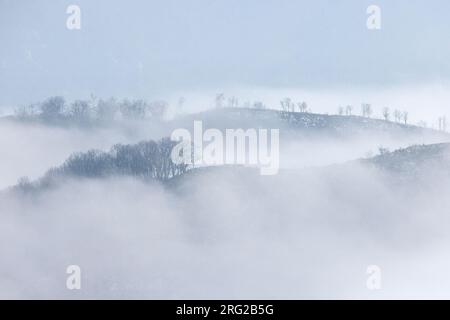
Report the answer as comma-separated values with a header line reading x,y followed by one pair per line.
x,y
305,123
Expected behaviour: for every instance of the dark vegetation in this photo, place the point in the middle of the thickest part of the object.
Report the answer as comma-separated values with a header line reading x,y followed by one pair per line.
x,y
150,161
414,160
56,110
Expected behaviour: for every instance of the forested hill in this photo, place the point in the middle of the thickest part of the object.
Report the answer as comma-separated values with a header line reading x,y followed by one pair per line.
x,y
100,112
418,159
147,160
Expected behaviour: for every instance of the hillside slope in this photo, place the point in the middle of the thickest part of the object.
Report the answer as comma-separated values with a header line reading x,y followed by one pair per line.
x,y
304,123
414,161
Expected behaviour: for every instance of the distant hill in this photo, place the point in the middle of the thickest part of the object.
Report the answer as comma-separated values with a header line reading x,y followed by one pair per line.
x,y
149,161
305,124
291,124
414,160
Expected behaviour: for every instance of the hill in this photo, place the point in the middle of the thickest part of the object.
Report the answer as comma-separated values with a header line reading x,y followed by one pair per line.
x,y
305,124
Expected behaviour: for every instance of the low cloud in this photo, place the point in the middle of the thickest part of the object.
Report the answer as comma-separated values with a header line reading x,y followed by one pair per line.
x,y
222,233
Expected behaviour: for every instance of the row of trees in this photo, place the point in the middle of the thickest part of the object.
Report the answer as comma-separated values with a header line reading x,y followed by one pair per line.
x,y
221,101
348,110
86,111
56,108
367,111
389,115
442,123
148,160
289,105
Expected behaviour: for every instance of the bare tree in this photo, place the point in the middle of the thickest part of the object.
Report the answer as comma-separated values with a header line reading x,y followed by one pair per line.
x,y
233,102
27,111
133,109
386,113
158,108
106,109
397,115
80,110
405,116
341,111
382,150
442,123
366,110
348,110
220,98
53,108
302,106
286,104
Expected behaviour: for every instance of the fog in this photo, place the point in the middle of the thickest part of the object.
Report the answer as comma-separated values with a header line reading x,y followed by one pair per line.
x,y
229,235
221,233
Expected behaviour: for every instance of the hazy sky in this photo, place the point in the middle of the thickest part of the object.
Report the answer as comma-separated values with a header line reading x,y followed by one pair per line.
x,y
154,48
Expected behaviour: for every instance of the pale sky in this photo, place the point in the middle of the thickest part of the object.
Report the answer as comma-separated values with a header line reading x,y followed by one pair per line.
x,y
157,48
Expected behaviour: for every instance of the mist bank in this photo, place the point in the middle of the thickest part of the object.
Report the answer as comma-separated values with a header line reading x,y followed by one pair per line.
x,y
230,233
